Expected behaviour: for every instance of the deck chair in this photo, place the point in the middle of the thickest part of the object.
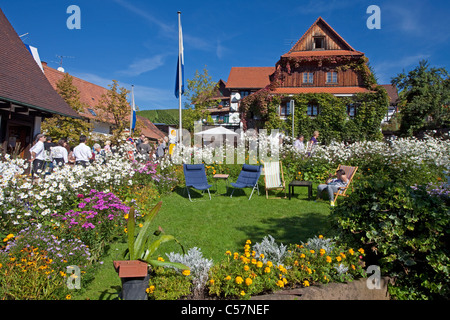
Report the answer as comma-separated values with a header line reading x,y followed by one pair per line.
x,y
248,178
350,173
195,176
274,177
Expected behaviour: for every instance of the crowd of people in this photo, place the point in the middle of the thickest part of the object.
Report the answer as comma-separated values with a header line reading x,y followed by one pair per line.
x,y
46,154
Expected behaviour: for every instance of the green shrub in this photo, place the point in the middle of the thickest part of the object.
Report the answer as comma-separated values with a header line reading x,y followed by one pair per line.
x,y
407,232
168,284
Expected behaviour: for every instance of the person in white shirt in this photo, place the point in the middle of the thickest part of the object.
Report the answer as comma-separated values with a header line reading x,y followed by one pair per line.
x,y
82,152
298,144
59,153
37,154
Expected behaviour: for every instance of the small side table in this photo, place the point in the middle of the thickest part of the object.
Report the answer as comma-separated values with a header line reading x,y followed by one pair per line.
x,y
297,183
223,177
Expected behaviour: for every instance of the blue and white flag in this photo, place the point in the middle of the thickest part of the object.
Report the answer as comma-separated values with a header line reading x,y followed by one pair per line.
x,y
133,111
180,73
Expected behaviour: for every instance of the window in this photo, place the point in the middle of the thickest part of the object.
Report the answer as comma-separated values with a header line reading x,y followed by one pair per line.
x,y
244,94
331,77
285,109
351,110
319,43
313,110
308,77
92,112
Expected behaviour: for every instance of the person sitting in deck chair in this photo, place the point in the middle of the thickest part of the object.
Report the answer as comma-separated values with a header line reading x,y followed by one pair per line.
x,y
332,185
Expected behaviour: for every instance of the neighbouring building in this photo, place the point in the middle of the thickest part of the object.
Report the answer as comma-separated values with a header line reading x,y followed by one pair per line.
x,y
91,95
321,61
26,96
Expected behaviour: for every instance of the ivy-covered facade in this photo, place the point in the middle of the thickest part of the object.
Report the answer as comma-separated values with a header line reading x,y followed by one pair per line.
x,y
331,85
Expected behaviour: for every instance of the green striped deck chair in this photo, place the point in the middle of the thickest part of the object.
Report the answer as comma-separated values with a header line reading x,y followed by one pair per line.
x,y
274,177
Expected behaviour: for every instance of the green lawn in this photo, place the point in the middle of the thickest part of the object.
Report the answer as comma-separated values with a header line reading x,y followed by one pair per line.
x,y
222,224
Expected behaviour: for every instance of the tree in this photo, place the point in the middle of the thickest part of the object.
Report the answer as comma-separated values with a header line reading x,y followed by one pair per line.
x,y
60,127
199,92
425,96
114,107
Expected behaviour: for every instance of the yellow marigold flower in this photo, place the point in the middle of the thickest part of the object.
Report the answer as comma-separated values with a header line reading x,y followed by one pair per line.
x,y
248,281
320,236
253,253
242,293
269,264
1,265
126,216
342,255
248,242
338,258
140,225
63,274
328,258
211,281
361,250
228,253
353,267
246,268
186,272
280,283
306,283
302,256
160,259
261,255
239,280
150,289
312,251
68,297
322,252
227,278
267,270
253,261
235,256
259,264
351,251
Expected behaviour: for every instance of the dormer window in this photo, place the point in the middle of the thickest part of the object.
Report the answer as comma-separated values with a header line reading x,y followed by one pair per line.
x,y
319,43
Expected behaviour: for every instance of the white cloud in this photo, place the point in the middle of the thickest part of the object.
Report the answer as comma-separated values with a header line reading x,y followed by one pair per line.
x,y
144,65
387,69
145,96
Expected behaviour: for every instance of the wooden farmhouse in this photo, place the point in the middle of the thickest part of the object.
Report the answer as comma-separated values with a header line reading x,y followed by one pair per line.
x,y
321,61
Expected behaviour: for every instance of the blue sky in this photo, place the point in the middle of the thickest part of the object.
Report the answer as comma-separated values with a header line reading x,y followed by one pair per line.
x,y
136,41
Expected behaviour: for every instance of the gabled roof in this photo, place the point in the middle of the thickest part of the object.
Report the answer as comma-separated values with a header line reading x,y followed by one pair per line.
x,y
321,27
90,93
21,79
249,77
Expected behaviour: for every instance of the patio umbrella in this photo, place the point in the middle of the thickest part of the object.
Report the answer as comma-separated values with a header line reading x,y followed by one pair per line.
x,y
215,132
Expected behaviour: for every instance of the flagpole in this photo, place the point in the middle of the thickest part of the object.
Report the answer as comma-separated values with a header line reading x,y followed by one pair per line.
x,y
180,128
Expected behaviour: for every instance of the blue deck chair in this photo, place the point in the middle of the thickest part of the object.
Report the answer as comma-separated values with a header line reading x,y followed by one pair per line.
x,y
195,176
248,178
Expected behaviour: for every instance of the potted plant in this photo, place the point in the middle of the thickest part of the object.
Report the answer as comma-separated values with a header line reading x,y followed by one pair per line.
x,y
138,257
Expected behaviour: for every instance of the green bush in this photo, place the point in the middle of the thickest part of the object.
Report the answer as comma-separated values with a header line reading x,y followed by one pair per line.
x,y
405,229
168,284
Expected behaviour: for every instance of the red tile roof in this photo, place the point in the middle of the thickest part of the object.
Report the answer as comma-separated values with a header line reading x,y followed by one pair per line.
x,y
91,94
21,80
249,77
392,93
332,90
